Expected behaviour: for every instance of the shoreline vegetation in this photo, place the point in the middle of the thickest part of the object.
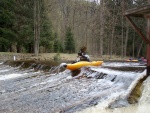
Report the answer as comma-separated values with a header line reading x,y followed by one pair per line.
x,y
4,56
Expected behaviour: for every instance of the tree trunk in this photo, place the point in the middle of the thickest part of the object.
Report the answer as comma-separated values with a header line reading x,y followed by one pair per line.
x,y
101,27
86,27
112,36
133,45
138,54
122,35
126,39
36,26
19,48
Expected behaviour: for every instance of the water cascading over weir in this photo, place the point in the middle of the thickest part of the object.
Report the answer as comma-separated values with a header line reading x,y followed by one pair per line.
x,y
41,89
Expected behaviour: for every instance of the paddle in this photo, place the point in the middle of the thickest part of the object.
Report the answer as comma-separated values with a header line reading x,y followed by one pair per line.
x,y
65,64
76,60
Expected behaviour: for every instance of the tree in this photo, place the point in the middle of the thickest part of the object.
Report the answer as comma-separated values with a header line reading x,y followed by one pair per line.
x,y
57,45
102,3
69,41
7,33
47,38
24,25
36,26
28,24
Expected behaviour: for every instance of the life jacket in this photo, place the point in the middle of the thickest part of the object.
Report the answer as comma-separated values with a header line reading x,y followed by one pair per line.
x,y
83,56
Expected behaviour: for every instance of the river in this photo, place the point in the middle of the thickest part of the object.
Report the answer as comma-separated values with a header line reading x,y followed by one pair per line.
x,y
103,89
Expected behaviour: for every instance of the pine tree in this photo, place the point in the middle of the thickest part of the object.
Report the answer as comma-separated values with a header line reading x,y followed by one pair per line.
x,y
47,35
69,41
7,34
56,43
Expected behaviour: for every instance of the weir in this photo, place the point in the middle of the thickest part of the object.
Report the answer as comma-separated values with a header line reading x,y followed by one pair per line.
x,y
26,90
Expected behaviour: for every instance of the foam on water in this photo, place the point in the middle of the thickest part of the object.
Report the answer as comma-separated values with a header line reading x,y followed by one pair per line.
x,y
61,92
142,107
116,64
11,76
113,72
1,63
3,70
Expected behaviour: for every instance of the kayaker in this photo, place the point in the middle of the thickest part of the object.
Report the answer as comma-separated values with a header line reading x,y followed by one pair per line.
x,y
130,58
82,55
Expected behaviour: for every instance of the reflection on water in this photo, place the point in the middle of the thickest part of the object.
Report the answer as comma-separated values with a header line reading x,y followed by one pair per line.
x,y
27,90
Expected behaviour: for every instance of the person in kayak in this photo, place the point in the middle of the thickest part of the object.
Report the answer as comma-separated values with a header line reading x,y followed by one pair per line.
x,y
82,55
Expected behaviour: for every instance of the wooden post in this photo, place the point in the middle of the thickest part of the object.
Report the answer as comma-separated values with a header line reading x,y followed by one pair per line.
x,y
148,46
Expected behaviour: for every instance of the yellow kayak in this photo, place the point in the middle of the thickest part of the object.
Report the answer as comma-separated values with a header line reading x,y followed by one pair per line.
x,y
81,64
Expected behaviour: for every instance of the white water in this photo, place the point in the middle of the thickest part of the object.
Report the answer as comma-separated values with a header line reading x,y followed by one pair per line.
x,y
28,91
142,107
144,103
120,64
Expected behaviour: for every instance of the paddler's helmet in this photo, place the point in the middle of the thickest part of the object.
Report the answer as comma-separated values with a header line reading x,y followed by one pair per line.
x,y
83,49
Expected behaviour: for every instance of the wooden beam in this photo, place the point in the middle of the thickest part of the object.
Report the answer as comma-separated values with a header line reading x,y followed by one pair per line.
x,y
148,60
138,30
138,11
147,16
148,47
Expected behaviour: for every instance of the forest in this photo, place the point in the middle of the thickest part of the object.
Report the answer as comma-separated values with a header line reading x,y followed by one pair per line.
x,y
63,26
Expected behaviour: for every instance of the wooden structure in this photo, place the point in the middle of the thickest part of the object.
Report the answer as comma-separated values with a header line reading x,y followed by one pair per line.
x,y
143,12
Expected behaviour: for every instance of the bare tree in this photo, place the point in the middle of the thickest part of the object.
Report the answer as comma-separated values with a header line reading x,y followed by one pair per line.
x,y
126,39
36,26
101,27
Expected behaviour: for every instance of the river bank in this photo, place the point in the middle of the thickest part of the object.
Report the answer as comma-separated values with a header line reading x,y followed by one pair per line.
x,y
29,56
53,56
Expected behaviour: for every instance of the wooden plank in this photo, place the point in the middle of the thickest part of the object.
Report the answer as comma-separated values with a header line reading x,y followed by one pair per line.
x,y
139,12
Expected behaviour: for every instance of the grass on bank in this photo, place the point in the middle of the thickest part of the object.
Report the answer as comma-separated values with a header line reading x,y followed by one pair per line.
x,y
53,56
